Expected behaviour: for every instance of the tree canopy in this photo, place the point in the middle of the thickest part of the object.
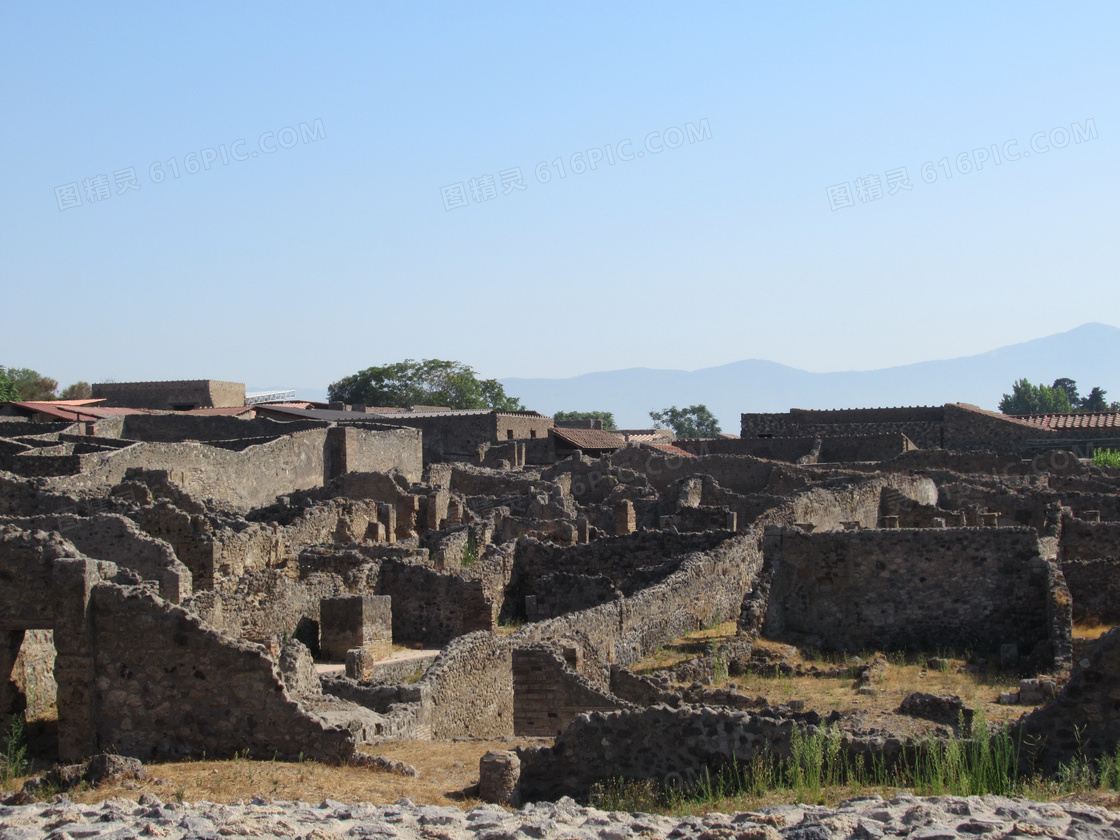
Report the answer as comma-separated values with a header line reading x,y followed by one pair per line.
x,y
696,421
427,382
78,391
606,416
8,389
27,384
1060,398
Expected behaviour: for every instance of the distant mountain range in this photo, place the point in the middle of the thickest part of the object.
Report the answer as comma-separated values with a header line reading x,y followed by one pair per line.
x,y
1088,354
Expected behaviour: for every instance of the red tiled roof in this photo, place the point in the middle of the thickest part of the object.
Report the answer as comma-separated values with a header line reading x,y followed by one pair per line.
x,y
1074,420
674,450
228,412
63,411
589,438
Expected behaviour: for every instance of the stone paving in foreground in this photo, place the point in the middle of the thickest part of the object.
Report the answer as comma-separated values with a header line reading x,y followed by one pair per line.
x,y
988,817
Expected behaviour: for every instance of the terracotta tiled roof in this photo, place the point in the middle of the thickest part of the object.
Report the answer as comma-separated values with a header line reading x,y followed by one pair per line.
x,y
63,411
1076,420
589,438
673,450
229,412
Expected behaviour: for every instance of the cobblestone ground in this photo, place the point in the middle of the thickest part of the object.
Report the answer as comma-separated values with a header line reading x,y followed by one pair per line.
x,y
866,819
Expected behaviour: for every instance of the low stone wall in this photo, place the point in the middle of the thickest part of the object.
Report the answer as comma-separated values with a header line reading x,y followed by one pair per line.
x,y
548,694
672,747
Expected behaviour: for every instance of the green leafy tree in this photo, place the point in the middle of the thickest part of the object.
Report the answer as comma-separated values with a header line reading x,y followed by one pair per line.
x,y
31,385
606,416
77,391
1070,388
692,422
1095,401
1026,398
427,382
8,389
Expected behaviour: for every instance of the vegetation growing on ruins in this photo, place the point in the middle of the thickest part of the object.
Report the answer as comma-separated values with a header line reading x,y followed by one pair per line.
x,y
1106,458
1060,398
696,421
13,757
606,416
434,382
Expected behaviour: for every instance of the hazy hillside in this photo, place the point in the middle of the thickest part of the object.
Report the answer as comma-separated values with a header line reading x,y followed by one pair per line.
x,y
1087,354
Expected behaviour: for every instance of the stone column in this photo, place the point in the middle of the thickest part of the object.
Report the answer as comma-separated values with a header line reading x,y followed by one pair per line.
x,y
625,521
499,771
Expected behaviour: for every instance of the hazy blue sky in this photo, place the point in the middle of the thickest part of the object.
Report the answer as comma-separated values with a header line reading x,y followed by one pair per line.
x,y
330,246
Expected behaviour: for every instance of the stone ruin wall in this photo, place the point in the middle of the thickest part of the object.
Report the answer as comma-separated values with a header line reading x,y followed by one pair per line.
x,y
963,589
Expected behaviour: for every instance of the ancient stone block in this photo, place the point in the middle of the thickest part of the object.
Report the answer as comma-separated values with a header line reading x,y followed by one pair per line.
x,y
355,621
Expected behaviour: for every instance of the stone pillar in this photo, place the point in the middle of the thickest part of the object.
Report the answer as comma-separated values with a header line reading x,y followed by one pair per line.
x,y
454,512
387,516
890,522
437,509
408,511
732,520
583,530
499,772
73,580
625,521
355,621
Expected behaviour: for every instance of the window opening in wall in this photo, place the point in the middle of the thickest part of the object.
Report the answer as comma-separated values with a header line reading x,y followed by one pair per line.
x,y
509,434
532,433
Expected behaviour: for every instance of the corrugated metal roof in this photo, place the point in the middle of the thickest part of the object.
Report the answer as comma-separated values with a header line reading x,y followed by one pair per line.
x,y
589,438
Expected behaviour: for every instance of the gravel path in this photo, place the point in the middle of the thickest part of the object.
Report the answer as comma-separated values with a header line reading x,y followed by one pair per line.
x,y
987,817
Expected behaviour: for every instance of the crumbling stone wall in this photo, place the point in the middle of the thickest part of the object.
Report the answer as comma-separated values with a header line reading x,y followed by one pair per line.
x,y
1094,586
1083,721
168,685
629,563
471,688
548,694
117,539
174,428
961,588
255,476
433,607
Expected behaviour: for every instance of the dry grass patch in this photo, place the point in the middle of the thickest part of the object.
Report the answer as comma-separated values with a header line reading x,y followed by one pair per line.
x,y
690,646
448,771
1091,629
978,688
